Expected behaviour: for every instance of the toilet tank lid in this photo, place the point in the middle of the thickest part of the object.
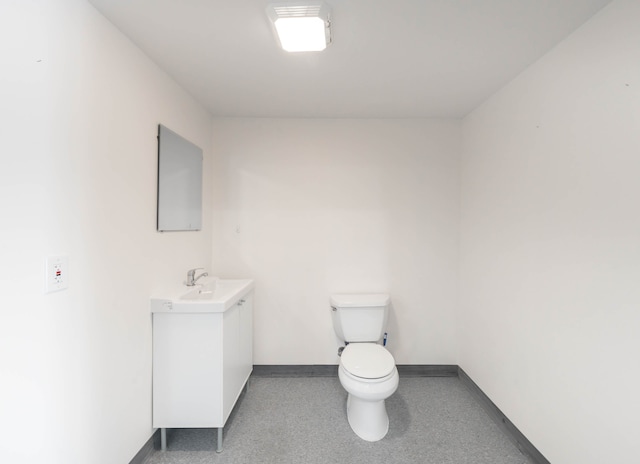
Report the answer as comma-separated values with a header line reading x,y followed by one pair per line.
x,y
360,300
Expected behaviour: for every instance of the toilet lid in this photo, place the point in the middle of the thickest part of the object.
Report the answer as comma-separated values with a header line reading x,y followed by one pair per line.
x,y
367,360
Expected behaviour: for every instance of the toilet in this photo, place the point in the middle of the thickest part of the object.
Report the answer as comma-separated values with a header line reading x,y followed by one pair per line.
x,y
367,371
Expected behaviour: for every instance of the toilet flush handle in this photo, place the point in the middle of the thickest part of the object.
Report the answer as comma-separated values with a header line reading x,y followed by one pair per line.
x,y
333,308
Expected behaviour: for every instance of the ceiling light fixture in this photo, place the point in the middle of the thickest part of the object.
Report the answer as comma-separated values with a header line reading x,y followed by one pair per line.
x,y
301,26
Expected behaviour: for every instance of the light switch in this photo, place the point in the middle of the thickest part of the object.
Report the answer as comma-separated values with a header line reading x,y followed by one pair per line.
x,y
57,278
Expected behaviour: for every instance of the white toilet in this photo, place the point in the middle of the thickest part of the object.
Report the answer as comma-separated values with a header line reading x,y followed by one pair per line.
x,y
367,370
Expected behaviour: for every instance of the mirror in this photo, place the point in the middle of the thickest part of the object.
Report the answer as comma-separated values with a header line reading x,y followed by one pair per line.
x,y
179,182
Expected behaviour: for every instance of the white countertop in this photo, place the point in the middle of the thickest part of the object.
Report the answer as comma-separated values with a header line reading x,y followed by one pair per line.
x,y
212,296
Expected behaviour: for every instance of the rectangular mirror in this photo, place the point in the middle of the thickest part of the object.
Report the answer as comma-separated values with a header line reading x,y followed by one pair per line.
x,y
179,182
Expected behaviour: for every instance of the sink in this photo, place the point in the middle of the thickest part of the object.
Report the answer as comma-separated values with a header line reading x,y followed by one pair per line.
x,y
212,296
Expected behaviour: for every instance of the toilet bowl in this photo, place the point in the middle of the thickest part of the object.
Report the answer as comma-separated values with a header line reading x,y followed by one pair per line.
x,y
368,373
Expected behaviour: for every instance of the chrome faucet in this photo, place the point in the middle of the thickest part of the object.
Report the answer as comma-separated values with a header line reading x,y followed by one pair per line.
x,y
191,276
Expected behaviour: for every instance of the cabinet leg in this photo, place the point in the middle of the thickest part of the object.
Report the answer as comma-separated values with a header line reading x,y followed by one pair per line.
x,y
219,444
163,439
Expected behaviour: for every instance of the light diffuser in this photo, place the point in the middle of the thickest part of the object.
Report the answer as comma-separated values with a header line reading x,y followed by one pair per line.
x,y
301,27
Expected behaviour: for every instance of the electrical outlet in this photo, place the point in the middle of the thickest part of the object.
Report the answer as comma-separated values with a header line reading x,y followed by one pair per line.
x,y
57,278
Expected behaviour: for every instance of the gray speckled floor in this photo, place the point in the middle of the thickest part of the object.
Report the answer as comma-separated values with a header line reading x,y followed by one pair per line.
x,y
303,420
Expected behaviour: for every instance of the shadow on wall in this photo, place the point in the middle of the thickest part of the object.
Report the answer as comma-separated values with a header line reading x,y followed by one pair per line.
x,y
392,329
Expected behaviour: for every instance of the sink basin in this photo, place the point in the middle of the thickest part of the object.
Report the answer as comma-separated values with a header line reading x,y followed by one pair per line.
x,y
213,296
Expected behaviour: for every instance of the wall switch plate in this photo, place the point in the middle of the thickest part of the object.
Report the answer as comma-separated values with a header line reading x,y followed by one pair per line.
x,y
57,273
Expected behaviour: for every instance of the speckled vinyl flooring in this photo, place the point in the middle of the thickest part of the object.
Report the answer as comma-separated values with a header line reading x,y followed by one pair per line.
x,y
303,420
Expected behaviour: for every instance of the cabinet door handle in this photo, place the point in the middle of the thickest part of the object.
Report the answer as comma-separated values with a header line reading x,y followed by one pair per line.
x,y
241,302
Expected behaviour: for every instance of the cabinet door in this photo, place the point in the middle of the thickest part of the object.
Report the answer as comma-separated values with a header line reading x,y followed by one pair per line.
x,y
238,351
187,369
232,370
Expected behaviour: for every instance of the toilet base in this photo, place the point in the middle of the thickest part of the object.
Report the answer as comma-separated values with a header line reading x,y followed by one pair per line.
x,y
368,419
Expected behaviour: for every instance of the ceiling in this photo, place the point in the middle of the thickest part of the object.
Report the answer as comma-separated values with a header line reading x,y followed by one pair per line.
x,y
388,59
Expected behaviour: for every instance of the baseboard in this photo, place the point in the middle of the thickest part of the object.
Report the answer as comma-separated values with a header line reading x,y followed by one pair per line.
x,y
295,370
427,370
517,437
151,444
331,370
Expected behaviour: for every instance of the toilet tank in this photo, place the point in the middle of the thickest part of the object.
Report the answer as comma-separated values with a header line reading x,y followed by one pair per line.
x,y
359,317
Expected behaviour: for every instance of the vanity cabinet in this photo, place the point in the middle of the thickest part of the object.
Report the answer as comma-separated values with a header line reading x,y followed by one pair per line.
x,y
201,363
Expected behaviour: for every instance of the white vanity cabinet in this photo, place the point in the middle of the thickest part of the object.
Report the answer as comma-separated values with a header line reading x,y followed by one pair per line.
x,y
201,362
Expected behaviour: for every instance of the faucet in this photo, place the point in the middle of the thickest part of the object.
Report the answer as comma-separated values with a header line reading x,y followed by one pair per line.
x,y
191,276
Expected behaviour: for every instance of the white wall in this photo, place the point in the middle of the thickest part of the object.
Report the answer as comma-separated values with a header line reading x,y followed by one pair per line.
x,y
313,207
78,118
550,245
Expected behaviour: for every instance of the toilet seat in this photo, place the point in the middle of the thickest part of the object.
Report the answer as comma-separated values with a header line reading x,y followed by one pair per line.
x,y
367,361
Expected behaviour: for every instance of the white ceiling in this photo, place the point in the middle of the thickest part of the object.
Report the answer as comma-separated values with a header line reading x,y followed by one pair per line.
x,y
389,58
